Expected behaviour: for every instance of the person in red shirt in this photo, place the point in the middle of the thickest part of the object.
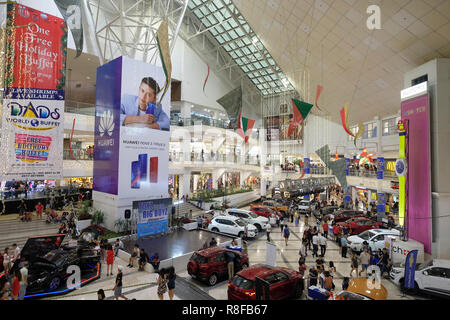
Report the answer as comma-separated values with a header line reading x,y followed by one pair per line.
x,y
16,284
325,229
39,209
109,259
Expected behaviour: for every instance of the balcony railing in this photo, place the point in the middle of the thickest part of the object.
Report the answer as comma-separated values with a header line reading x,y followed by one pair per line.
x,y
78,154
183,122
207,157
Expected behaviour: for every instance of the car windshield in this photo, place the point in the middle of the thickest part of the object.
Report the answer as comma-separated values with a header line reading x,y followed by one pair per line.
x,y
365,235
424,265
242,283
240,223
199,259
55,257
253,215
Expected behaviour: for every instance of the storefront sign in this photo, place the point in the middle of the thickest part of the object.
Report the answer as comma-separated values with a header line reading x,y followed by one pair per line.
x,y
33,105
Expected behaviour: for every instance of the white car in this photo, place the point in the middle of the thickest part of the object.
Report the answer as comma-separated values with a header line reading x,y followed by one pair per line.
x,y
304,206
232,225
259,222
374,237
432,276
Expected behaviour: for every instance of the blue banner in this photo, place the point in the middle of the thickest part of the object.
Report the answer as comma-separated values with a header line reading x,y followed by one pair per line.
x,y
152,216
307,165
410,268
380,168
381,202
347,165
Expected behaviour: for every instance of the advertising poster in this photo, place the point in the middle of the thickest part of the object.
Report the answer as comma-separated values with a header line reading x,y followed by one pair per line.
x,y
144,132
152,216
131,157
417,112
33,105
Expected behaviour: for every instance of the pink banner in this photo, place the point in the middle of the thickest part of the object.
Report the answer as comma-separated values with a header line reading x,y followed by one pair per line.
x,y
416,111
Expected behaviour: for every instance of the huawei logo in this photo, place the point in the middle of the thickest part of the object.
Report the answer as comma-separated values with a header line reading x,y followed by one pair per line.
x,y
106,126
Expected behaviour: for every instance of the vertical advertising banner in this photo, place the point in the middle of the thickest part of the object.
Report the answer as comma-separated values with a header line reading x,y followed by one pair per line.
x,y
418,202
152,216
347,165
33,105
380,168
307,165
131,157
410,269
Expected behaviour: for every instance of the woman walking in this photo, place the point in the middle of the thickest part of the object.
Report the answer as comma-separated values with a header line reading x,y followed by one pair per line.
x,y
109,260
171,282
6,261
16,284
354,264
162,284
286,234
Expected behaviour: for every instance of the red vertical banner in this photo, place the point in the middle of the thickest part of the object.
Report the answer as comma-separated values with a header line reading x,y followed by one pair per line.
x,y
37,52
33,105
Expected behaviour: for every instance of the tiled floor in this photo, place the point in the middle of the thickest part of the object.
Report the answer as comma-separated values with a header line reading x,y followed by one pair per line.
x,y
142,285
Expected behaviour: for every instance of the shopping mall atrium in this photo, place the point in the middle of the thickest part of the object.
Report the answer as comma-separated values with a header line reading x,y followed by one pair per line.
x,y
225,150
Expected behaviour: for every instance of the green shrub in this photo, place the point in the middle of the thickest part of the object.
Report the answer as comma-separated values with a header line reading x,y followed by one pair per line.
x,y
97,217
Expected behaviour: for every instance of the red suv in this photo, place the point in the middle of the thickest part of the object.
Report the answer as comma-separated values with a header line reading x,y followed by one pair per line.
x,y
344,215
284,283
358,225
210,264
264,211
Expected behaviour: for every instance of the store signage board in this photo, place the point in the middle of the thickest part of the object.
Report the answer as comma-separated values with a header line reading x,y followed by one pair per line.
x,y
415,91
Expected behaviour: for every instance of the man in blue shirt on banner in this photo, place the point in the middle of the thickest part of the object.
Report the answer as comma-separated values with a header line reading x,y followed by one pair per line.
x,y
143,108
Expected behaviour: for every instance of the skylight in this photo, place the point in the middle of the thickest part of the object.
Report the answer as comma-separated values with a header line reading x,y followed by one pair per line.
x,y
237,38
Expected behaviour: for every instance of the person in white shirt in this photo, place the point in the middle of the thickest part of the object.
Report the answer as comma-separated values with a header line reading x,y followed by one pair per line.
x,y
268,230
315,241
6,261
323,244
16,252
24,281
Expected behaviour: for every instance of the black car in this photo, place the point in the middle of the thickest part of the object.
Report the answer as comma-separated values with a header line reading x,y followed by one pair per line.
x,y
49,262
326,211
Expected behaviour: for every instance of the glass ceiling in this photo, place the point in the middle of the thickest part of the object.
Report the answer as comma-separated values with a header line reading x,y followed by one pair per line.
x,y
233,33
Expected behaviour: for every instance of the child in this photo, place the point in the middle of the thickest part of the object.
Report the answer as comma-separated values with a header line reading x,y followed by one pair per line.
x,y
345,283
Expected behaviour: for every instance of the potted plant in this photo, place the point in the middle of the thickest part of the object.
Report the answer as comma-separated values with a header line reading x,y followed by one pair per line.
x,y
97,217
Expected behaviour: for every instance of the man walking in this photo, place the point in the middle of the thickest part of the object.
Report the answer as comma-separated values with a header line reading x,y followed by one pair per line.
x,y
315,242
364,260
118,285
268,230
344,246
323,245
229,256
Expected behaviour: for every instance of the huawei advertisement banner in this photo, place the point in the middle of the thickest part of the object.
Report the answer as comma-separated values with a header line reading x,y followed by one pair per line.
x,y
33,105
152,216
131,158
417,112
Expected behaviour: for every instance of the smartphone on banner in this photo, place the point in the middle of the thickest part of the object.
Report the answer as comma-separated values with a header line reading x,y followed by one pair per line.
x,y
143,167
150,108
135,175
154,170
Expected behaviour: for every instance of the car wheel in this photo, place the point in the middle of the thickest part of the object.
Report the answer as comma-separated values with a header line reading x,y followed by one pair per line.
x,y
215,230
212,280
258,227
299,289
54,283
241,234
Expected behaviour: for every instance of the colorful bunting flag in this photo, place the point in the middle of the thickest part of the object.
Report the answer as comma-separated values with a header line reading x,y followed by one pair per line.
x,y
344,119
318,93
300,110
162,39
245,127
207,77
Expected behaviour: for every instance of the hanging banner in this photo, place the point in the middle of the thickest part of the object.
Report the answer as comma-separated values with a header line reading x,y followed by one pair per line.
x,y
131,155
152,216
33,105
71,11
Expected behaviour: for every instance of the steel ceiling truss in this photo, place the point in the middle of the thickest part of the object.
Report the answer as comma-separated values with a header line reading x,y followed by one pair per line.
x,y
129,27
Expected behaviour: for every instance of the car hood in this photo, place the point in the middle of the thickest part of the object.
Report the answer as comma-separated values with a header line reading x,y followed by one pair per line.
x,y
39,246
355,239
262,219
